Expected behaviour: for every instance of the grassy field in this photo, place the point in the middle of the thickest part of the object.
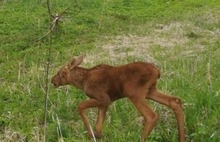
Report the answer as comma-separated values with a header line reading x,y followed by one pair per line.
x,y
181,37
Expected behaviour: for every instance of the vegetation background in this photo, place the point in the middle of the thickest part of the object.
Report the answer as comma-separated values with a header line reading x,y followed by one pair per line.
x,y
181,37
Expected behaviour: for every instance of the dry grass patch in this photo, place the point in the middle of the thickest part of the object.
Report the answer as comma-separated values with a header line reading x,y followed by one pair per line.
x,y
183,35
9,135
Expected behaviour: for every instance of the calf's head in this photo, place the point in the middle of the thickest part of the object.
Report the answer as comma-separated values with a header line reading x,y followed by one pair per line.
x,y
63,76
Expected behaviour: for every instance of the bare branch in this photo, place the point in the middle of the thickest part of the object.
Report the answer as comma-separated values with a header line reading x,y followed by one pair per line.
x,y
48,7
51,29
61,13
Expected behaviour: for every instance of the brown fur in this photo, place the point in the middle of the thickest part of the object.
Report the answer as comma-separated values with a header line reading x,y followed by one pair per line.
x,y
104,84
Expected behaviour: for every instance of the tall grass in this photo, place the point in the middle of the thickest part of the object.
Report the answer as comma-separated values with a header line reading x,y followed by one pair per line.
x,y
181,37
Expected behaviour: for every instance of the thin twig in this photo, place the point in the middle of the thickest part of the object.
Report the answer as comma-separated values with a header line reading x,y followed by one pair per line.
x,y
48,7
46,77
55,20
51,29
61,13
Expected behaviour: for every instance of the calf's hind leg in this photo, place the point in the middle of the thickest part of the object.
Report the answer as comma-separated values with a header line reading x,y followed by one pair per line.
x,y
172,102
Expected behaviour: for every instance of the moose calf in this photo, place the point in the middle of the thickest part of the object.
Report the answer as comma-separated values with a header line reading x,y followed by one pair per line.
x,y
104,84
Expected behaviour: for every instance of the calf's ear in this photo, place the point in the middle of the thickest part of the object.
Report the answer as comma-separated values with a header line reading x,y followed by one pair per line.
x,y
75,62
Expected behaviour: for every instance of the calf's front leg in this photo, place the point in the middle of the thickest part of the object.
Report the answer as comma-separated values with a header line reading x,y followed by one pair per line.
x,y
102,105
82,107
100,121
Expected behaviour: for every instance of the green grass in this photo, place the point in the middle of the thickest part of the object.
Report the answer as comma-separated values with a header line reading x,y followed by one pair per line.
x,y
181,37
